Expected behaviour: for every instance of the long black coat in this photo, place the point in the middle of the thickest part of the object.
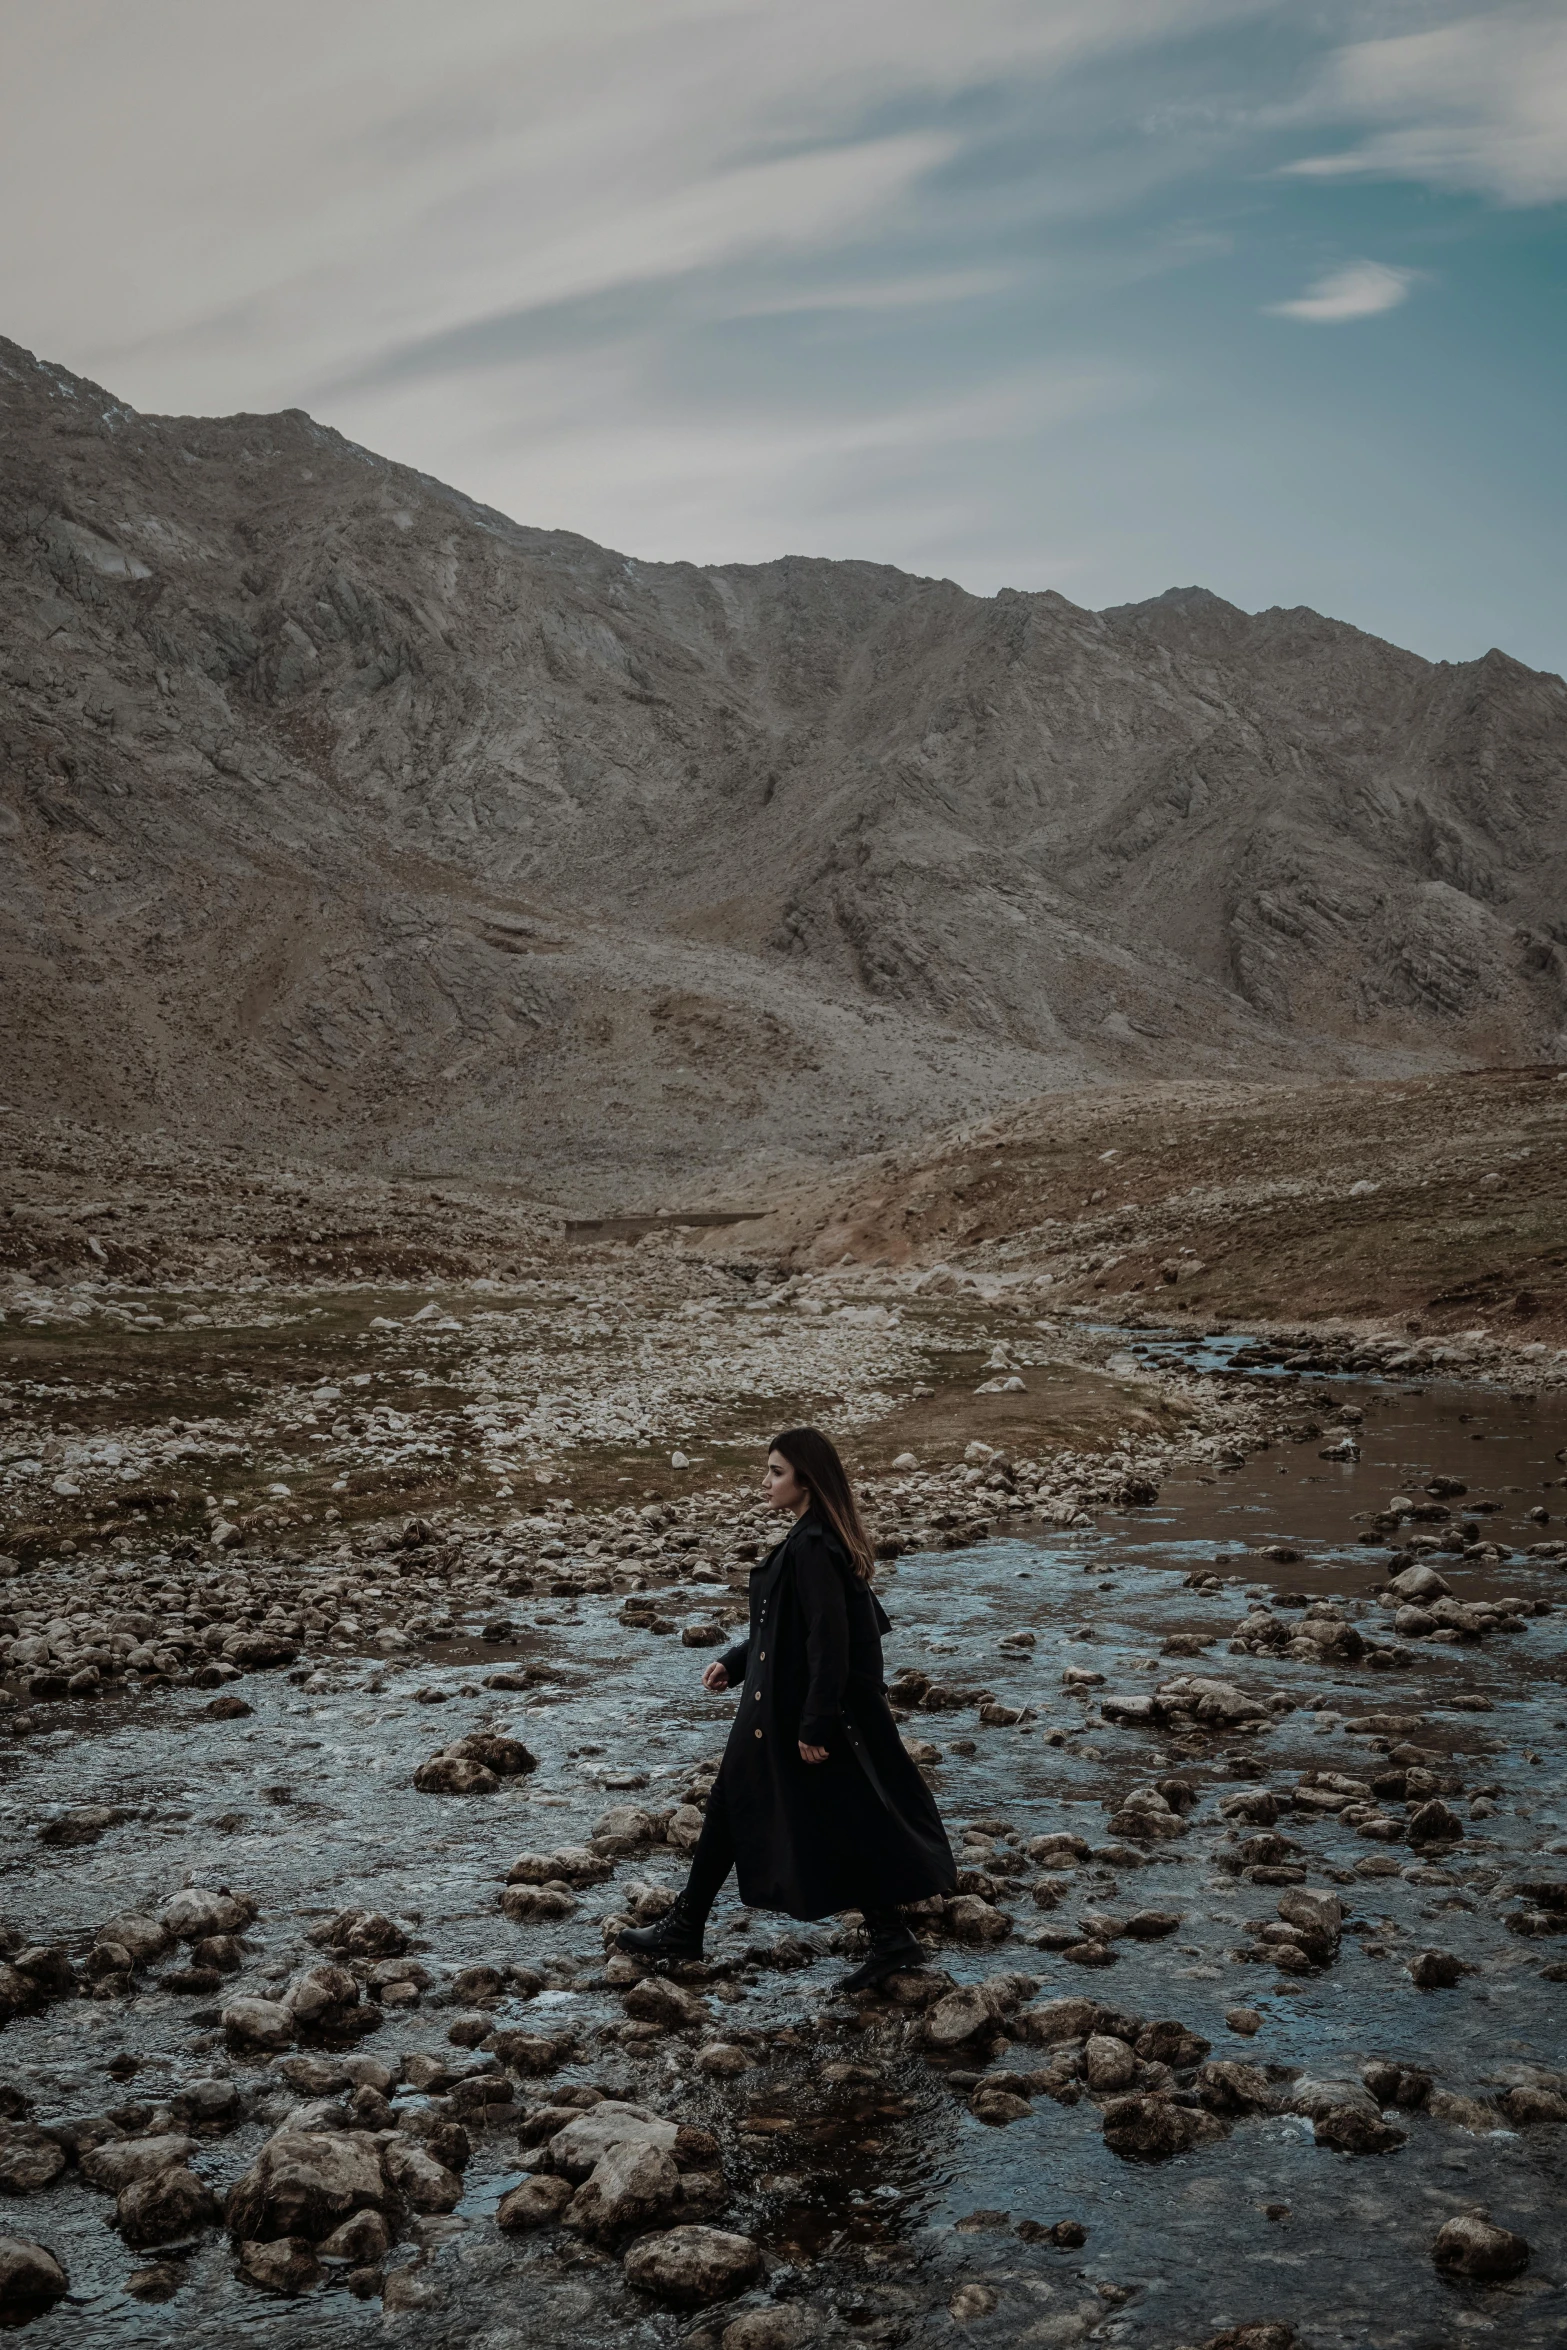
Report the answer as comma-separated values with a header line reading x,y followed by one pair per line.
x,y
859,1831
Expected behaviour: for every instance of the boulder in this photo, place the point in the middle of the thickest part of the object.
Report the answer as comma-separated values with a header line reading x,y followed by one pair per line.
x,y
31,2279
364,2241
624,1825
142,1937
691,2266
306,2183
285,2264
121,2161
455,1774
28,2159
1349,2129
323,1998
1055,2020
532,1905
635,2185
1228,2087
195,1913
424,2182
1435,1823
258,2024
164,2209
1435,1970
581,2146
1108,2063
361,1933
537,2203
785,2326
1472,2246
1151,2129
657,2001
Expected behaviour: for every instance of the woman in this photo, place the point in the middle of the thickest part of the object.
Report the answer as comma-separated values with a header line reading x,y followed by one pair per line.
x,y
816,1804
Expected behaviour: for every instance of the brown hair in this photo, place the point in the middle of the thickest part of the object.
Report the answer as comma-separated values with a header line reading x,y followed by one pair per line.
x,y
814,1460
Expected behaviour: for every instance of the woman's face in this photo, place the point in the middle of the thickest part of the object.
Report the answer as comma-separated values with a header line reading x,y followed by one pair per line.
x,y
781,1489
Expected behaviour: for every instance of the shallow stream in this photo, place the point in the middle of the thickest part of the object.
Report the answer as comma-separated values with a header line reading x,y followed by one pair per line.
x,y
878,2199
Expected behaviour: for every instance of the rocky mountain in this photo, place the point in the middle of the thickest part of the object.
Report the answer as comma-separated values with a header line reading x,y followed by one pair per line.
x,y
345,816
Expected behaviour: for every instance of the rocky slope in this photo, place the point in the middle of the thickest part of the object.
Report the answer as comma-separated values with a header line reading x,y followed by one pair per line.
x,y
340,810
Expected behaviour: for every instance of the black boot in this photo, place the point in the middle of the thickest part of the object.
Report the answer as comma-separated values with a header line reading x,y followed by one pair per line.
x,y
677,1935
894,1949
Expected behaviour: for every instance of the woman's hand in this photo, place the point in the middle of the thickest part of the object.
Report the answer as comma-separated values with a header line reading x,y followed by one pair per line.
x,y
716,1679
812,1754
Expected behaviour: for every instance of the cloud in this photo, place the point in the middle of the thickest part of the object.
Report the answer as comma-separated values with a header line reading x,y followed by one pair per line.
x,y
1363,289
1479,104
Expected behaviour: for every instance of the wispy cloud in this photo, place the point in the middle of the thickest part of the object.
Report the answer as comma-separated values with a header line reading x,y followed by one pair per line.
x,y
1477,104
1363,289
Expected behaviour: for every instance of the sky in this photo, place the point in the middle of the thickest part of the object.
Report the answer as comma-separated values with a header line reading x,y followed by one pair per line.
x,y
1105,296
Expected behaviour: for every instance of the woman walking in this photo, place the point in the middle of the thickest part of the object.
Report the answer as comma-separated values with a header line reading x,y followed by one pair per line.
x,y
816,1806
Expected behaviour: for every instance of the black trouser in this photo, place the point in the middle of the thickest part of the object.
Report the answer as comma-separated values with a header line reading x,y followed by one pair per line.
x,y
714,1857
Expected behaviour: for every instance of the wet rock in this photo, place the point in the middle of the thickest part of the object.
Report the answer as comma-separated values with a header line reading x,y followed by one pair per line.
x,y
83,1824
634,2185
257,2024
1167,2042
1527,2106
1056,2020
1227,2087
1108,2063
165,2208
531,1905
532,2053
364,2240
723,2059
969,1918
691,2266
1419,1583
195,1913
119,2163
28,2159
1396,2084
143,1937
786,2326
1151,1925
1151,2129
972,2008
423,2182
32,2279
305,2183
1261,2334
574,1864
1245,2020
1258,1807
537,2203
1350,2129
285,2264
159,2281
1473,2246
1219,1702
361,1933
578,2149
995,2103
324,2000
1435,1823
1460,2113
455,1774
656,2001
1057,1852
1435,1970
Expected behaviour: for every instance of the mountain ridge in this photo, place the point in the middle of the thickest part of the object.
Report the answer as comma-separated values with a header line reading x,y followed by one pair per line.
x,y
341,806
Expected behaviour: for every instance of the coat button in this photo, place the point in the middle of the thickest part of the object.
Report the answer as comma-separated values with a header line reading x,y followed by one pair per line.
x,y
757,1694
762,1659
756,1733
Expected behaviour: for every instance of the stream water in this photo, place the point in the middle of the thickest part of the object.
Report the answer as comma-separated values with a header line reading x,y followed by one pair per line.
x,y
875,2191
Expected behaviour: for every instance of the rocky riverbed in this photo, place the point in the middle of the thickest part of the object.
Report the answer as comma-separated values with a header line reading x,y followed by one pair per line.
x,y
1239,1678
